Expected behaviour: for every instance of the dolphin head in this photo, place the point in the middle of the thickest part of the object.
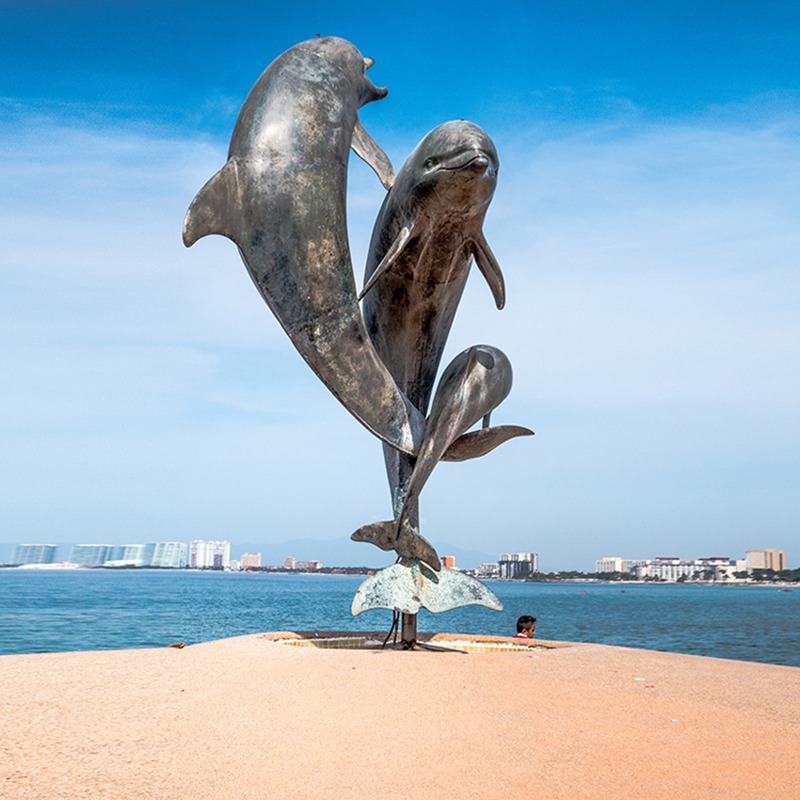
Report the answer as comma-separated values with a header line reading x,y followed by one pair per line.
x,y
346,57
475,382
454,166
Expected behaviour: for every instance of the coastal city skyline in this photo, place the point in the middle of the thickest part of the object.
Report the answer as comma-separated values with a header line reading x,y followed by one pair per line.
x,y
350,554
645,220
217,554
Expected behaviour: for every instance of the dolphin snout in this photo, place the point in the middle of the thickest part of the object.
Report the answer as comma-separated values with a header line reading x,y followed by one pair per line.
x,y
481,163
375,92
471,160
372,93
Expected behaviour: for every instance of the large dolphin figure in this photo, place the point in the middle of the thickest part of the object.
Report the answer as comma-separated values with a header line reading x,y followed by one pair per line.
x,y
429,230
471,387
281,198
424,240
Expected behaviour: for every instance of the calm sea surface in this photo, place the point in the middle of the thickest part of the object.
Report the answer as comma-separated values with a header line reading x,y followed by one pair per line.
x,y
53,611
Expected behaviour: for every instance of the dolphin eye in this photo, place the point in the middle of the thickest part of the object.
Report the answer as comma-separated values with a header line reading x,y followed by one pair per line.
x,y
429,163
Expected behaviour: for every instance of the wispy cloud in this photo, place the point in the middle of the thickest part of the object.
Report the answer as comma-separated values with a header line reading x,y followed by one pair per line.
x,y
653,284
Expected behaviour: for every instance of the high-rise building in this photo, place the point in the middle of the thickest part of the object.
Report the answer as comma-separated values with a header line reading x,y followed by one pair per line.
x,y
765,559
608,564
169,555
115,552
249,560
148,553
487,570
215,554
90,555
616,564
518,566
34,554
131,555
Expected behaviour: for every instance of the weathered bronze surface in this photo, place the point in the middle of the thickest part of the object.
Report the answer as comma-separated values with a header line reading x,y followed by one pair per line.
x,y
471,387
426,235
409,585
281,199
429,230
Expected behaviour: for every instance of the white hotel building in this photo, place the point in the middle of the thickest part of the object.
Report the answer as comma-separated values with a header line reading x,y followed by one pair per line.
x,y
672,568
209,554
616,564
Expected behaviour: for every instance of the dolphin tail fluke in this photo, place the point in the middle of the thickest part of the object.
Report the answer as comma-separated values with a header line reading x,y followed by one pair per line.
x,y
408,586
400,537
479,443
368,150
381,534
411,545
216,207
487,264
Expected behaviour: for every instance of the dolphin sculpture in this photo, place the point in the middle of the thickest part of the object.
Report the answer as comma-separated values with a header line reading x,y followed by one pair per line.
x,y
281,199
424,240
426,236
428,231
471,387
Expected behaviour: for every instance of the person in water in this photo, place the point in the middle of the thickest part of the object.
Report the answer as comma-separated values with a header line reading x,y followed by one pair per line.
x,y
526,627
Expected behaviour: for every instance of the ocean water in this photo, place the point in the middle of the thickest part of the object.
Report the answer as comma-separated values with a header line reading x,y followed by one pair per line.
x,y
55,611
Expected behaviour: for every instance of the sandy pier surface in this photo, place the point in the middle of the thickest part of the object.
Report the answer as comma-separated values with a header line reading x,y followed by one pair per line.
x,y
251,717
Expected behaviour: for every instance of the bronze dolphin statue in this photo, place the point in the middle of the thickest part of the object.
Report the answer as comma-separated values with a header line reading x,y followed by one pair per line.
x,y
429,230
427,233
281,199
471,387
424,240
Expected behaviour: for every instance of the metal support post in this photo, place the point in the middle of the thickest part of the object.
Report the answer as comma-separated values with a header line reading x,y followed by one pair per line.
x,y
408,634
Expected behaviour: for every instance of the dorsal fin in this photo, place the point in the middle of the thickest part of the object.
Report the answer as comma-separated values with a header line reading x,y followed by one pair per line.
x,y
368,150
391,255
479,443
216,208
487,264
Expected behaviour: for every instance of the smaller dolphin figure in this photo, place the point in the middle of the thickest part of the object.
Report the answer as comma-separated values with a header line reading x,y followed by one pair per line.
x,y
471,387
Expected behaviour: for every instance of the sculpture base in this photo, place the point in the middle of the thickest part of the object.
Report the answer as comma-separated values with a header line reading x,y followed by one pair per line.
x,y
407,586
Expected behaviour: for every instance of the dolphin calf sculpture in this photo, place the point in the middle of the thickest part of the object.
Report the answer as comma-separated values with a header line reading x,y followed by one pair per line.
x,y
281,199
471,387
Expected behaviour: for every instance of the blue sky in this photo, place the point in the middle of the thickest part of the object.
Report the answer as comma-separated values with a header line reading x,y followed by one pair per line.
x,y
646,220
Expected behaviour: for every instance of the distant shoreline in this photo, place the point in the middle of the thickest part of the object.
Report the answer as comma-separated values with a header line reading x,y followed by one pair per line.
x,y
367,571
